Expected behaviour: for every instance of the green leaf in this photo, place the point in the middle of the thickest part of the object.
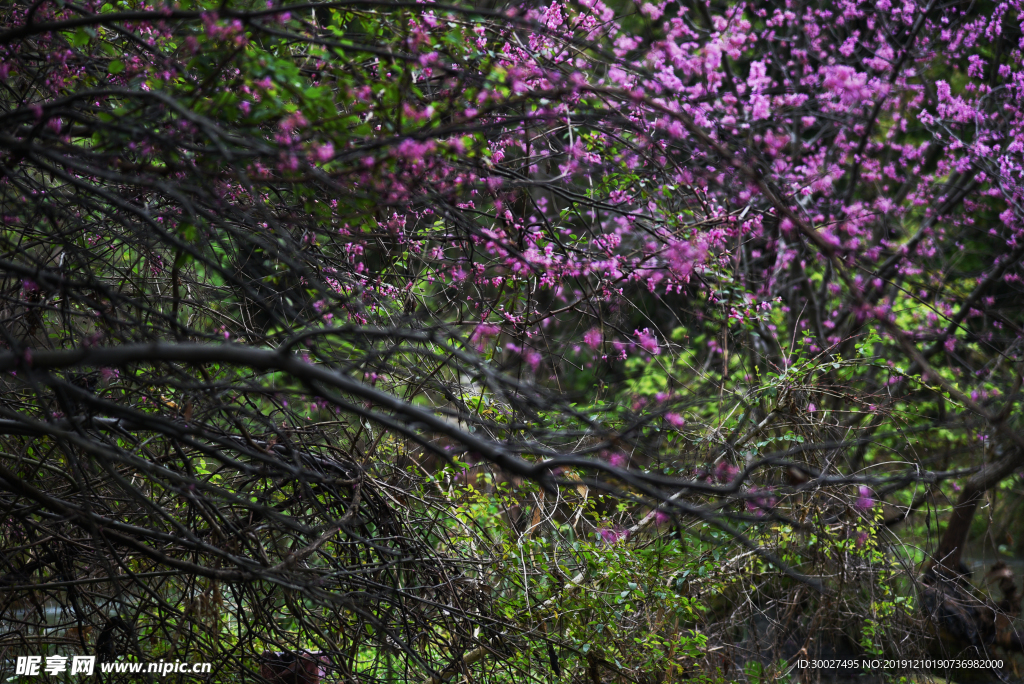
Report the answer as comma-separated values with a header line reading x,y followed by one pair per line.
x,y
116,66
80,38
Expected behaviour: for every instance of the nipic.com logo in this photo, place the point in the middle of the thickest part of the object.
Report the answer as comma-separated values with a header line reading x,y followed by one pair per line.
x,y
34,666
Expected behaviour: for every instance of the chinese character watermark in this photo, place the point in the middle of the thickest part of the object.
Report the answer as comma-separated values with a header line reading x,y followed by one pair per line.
x,y
32,666
83,664
28,665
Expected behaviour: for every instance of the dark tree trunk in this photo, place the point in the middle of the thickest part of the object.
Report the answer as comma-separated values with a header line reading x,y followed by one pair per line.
x,y
947,556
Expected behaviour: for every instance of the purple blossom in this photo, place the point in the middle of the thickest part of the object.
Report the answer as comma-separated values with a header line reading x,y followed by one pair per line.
x,y
611,535
324,152
618,460
675,420
762,501
647,341
847,84
726,472
865,500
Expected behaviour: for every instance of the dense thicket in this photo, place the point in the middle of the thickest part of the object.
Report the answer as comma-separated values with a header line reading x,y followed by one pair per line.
x,y
577,341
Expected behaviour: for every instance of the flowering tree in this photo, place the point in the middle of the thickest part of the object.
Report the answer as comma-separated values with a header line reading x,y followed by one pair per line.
x,y
301,299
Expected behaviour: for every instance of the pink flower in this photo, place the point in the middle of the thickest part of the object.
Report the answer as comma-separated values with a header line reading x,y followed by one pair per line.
x,y
759,108
864,501
292,122
683,257
759,504
323,153
610,535
725,472
411,150
661,517
592,338
618,460
675,420
648,342
483,332
654,12
849,85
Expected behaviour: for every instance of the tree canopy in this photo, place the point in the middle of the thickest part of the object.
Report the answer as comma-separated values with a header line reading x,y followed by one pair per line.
x,y
576,341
